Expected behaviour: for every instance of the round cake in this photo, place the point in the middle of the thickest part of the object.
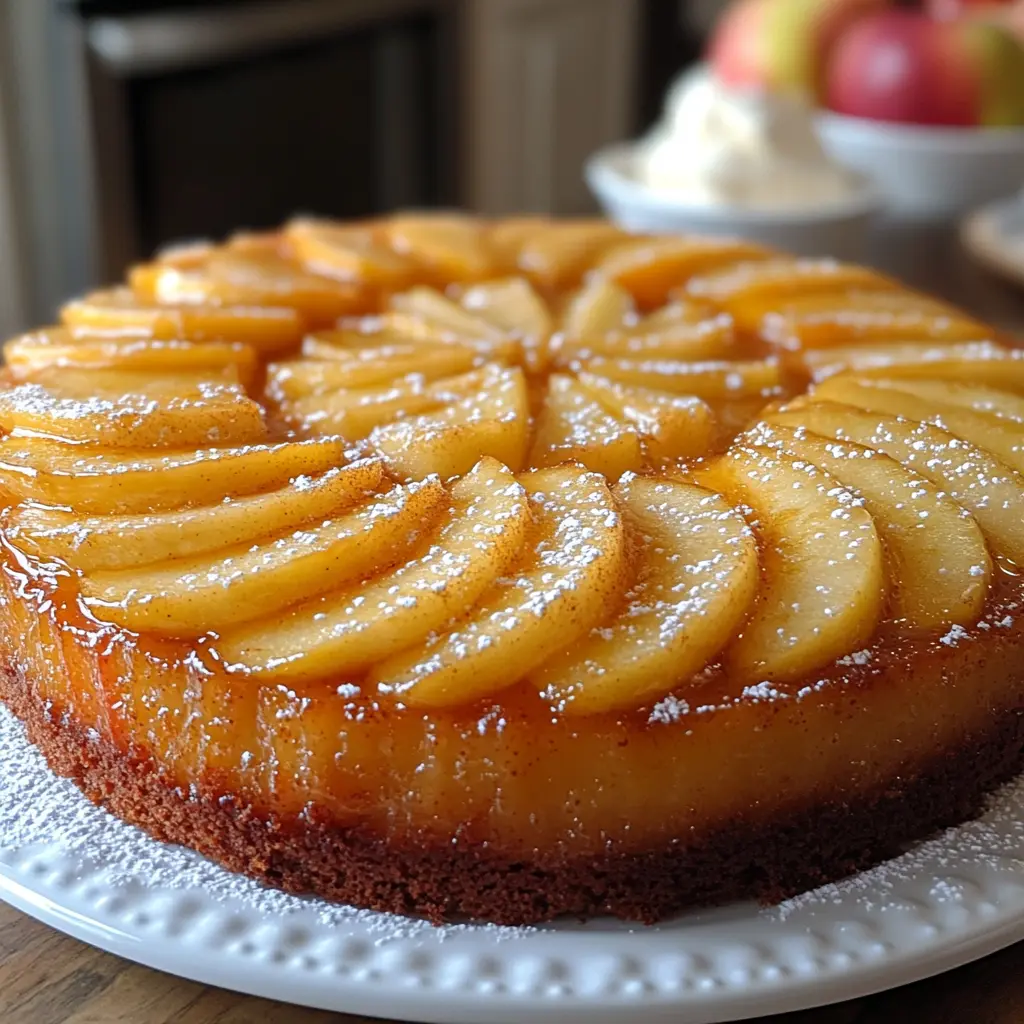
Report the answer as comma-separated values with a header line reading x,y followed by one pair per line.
x,y
510,569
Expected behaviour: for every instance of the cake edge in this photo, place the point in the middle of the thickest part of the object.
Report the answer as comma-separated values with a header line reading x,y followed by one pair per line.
x,y
443,882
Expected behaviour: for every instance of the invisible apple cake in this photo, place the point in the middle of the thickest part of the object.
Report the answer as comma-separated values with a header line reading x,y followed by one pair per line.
x,y
511,569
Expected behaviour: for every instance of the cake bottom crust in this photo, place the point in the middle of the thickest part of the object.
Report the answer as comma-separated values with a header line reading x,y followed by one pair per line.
x,y
766,861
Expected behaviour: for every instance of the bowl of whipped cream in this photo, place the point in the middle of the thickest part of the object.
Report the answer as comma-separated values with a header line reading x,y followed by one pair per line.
x,y
740,163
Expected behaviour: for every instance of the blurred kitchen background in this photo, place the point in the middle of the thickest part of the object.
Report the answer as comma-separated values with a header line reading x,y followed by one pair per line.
x,y
128,124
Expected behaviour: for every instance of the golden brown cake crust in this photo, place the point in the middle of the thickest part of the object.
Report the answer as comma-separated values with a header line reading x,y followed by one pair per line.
x,y
440,880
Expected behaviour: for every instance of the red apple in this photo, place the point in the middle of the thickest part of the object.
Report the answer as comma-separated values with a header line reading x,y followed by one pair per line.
x,y
902,65
782,44
950,10
1008,13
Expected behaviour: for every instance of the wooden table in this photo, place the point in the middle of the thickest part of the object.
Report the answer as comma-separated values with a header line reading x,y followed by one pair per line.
x,y
47,978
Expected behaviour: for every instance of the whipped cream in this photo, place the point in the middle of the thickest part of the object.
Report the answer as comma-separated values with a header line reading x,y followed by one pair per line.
x,y
720,147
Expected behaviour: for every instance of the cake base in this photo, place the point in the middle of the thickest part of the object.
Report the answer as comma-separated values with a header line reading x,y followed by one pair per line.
x,y
766,862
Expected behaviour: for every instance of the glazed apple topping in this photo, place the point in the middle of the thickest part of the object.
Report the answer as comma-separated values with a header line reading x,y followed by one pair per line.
x,y
441,460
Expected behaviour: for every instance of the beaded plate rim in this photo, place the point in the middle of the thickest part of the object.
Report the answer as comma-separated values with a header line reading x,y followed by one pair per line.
x,y
957,897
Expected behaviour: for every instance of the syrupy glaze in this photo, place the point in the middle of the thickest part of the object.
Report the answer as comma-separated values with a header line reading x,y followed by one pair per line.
x,y
553,439
515,773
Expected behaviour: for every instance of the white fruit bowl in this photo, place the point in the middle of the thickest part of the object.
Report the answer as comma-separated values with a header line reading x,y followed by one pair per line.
x,y
840,229
925,172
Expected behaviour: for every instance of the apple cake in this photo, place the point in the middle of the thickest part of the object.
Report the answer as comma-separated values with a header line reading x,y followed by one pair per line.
x,y
510,569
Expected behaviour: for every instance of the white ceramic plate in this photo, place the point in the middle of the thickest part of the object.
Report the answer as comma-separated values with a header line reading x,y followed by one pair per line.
x,y
942,904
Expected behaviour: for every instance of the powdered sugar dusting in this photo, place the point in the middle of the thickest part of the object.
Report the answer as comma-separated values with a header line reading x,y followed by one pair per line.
x,y
39,808
994,842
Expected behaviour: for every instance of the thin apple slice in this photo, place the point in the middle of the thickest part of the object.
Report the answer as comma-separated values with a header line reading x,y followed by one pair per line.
x,y
698,577
990,400
935,550
981,362
346,633
433,311
651,268
189,597
714,381
989,489
109,482
671,426
574,427
598,309
356,412
454,246
94,543
234,278
1003,439
495,421
129,409
576,569
558,254
826,321
824,571
299,378
700,341
355,337
515,308
506,237
751,289
349,253
58,346
119,310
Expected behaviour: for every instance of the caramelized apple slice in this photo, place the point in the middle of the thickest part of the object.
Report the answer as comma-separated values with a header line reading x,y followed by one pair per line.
x,y
825,321
749,290
506,237
596,310
577,568
233,278
1005,440
672,426
698,577
651,268
349,252
511,305
380,368
713,381
188,597
824,577
344,633
452,245
981,362
132,410
557,255
573,427
355,412
430,311
990,400
699,341
118,311
94,543
57,346
516,309
935,550
989,489
110,482
494,421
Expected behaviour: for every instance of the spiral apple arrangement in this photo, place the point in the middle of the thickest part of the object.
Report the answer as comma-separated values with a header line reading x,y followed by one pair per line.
x,y
949,63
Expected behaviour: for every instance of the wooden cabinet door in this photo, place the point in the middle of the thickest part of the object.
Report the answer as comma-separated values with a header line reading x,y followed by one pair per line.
x,y
547,83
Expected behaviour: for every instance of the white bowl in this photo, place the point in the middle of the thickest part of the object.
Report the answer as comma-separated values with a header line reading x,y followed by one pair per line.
x,y
840,229
933,173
